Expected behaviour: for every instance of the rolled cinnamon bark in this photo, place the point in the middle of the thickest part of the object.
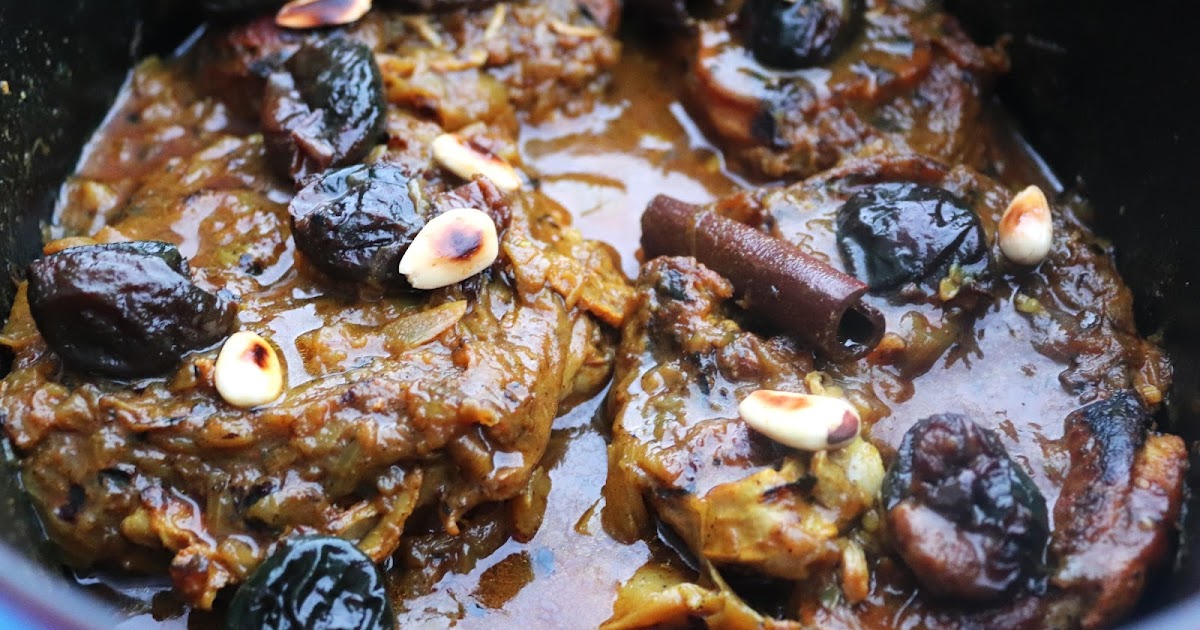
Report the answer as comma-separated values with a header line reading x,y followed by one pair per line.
x,y
801,294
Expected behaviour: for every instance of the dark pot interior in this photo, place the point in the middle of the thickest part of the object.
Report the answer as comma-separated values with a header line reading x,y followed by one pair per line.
x,y
1101,89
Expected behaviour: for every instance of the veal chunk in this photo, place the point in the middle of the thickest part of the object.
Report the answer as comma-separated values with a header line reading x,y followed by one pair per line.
x,y
907,78
679,448
1119,505
1043,364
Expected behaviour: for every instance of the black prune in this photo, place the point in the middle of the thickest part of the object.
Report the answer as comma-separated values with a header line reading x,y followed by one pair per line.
x,y
124,310
313,583
357,222
796,34
896,234
965,518
324,109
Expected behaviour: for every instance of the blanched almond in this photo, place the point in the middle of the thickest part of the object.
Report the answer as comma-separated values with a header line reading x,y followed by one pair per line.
x,y
801,421
1026,230
452,247
318,13
247,372
468,160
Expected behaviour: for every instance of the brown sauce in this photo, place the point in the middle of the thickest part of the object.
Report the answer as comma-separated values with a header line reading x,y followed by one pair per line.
x,y
641,138
638,142
571,568
604,167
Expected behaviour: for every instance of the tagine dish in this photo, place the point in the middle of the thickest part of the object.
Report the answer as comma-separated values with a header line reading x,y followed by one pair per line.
x,y
569,314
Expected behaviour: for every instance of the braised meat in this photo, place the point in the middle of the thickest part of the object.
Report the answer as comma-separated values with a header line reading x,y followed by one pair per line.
x,y
985,499
387,398
454,68
313,342
730,494
791,87
396,400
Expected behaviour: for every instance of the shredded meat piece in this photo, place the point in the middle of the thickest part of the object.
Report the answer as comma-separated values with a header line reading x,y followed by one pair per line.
x,y
735,498
396,403
909,79
537,57
1120,504
681,456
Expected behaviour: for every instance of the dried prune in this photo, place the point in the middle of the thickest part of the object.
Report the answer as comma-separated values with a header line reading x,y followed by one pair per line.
x,y
356,223
313,583
797,34
124,310
324,108
896,234
964,517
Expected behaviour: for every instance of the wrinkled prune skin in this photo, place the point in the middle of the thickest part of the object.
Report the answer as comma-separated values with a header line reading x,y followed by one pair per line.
x,y
356,223
324,109
894,235
124,310
313,583
795,34
964,517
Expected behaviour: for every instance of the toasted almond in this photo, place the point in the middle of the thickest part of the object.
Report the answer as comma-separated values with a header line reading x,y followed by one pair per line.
x,y
1026,230
467,160
452,247
802,421
248,372
317,13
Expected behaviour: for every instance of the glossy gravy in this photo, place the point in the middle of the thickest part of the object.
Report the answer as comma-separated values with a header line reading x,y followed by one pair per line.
x,y
604,167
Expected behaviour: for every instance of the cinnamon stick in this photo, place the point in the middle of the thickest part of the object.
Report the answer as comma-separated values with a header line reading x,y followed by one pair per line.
x,y
802,295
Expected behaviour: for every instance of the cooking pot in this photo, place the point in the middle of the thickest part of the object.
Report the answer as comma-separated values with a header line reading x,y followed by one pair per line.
x,y
1103,90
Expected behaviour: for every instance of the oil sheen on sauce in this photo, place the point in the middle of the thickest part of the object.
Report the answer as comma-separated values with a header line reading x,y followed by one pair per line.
x,y
605,167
